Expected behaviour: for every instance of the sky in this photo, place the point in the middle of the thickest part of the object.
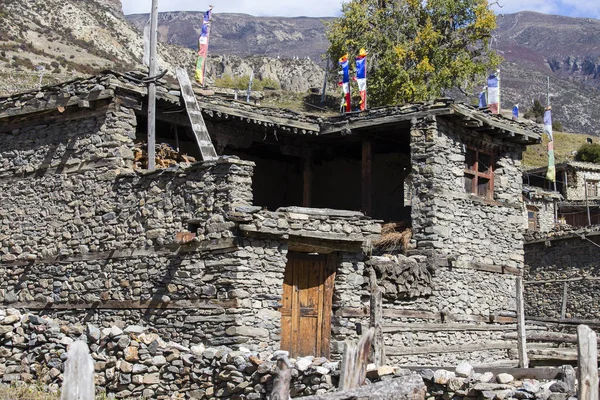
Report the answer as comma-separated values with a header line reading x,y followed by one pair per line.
x,y
331,8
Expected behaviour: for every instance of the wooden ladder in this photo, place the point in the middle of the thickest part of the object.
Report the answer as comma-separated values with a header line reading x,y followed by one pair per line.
x,y
207,150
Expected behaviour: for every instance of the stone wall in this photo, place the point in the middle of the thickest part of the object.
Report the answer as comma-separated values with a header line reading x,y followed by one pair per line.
x,y
459,225
134,361
558,260
576,183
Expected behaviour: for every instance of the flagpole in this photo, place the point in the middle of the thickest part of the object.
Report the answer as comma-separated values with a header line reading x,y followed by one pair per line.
x,y
325,83
152,72
499,93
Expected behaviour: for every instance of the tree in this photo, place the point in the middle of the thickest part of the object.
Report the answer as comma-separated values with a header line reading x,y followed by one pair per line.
x,y
589,152
536,112
416,49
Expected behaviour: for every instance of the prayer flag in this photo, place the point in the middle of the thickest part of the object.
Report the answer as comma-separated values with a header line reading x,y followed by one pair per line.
x,y
551,173
203,47
515,112
361,77
345,82
483,99
494,93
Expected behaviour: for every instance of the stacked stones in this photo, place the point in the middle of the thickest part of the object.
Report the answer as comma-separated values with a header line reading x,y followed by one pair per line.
x,y
313,223
465,384
402,277
562,258
135,362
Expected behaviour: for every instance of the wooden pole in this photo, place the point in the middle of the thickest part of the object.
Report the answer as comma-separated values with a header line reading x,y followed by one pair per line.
x,y
367,177
563,310
587,359
354,361
521,339
307,177
152,89
376,321
587,204
283,377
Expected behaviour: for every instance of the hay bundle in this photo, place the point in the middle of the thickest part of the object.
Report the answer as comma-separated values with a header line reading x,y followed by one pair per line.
x,y
395,236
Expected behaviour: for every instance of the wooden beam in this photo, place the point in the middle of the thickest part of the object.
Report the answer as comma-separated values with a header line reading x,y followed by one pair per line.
x,y
307,181
587,359
521,339
367,176
409,351
208,304
429,327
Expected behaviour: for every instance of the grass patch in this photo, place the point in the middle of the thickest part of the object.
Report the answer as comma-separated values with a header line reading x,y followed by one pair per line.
x,y
564,144
26,392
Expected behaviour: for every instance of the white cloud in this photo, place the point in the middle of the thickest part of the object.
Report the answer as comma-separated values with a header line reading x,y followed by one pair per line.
x,y
309,8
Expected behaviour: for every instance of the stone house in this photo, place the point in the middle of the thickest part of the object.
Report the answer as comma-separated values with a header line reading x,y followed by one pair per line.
x,y
272,245
579,184
540,208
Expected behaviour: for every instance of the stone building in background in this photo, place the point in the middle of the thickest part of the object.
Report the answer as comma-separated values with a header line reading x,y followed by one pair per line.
x,y
273,245
578,183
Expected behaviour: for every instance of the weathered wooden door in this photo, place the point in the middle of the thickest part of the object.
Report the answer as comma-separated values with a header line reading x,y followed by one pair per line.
x,y
306,304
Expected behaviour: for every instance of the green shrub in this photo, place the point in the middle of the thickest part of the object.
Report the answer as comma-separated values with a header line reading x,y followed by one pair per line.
x,y
589,152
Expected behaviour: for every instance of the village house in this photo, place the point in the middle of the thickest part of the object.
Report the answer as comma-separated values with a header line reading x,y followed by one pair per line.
x,y
578,190
278,242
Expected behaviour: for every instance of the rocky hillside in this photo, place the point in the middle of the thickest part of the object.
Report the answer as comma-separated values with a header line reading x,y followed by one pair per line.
x,y
567,46
244,35
534,45
68,38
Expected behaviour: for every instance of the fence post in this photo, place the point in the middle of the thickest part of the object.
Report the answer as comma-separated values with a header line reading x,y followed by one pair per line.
x,y
521,339
376,321
354,362
587,359
283,377
563,310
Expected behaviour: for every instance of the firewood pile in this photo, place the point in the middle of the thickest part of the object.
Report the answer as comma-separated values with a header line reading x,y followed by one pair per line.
x,y
166,156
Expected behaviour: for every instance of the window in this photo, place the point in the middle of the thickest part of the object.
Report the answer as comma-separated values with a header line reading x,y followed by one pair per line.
x,y
479,174
591,188
532,218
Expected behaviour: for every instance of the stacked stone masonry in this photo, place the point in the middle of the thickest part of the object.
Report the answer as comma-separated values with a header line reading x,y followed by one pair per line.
x,y
569,258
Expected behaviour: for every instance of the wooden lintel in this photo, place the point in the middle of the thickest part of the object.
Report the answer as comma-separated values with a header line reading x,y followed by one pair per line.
x,y
313,245
208,304
172,249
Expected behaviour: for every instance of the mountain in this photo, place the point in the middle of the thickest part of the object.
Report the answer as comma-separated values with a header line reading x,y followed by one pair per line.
x,y
535,46
69,38
244,35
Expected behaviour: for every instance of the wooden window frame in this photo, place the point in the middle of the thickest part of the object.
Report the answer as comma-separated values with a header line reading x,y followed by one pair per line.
x,y
532,223
476,174
591,183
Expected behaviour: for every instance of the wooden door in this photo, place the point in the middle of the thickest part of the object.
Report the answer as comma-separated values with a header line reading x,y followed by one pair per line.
x,y
306,305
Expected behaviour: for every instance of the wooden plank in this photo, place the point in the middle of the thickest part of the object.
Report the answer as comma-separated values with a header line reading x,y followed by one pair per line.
x,y
283,377
450,327
167,250
521,339
126,305
367,176
563,309
409,351
354,361
286,307
567,321
207,150
545,374
376,320
328,288
552,337
587,360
